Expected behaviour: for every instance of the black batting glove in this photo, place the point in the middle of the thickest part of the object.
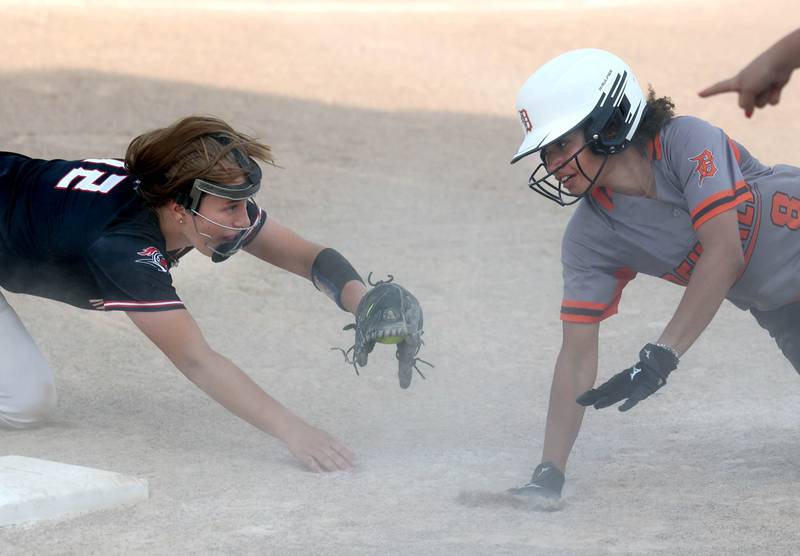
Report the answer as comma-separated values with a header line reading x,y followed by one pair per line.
x,y
635,383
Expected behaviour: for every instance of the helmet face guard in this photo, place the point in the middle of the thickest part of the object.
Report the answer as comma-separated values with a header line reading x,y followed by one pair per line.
x,y
224,250
238,192
541,180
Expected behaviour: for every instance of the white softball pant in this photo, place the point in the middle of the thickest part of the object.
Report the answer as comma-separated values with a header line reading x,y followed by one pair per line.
x,y
27,387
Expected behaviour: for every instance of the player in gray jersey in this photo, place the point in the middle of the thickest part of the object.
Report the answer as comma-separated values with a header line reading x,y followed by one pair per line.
x,y
671,197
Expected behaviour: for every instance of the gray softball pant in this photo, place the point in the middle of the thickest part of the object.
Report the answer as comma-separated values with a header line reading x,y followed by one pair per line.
x,y
27,386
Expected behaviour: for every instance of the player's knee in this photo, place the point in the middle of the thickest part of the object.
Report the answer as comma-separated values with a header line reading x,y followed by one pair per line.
x,y
783,324
790,346
31,408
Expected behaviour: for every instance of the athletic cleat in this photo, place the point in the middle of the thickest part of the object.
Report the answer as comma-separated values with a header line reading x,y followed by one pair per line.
x,y
546,482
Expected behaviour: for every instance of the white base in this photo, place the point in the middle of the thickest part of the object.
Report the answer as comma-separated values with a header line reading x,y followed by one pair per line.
x,y
35,489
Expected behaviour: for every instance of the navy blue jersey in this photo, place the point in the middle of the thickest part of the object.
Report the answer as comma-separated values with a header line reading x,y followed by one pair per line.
x,y
77,232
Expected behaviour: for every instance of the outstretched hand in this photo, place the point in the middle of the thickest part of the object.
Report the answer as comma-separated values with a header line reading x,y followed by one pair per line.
x,y
317,450
635,383
758,84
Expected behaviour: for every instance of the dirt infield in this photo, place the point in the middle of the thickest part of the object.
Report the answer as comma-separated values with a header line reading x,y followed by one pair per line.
x,y
394,131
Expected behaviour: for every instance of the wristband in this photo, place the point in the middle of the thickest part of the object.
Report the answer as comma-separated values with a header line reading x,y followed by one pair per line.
x,y
330,272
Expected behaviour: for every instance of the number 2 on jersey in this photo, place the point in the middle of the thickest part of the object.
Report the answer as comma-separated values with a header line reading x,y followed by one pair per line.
x,y
93,181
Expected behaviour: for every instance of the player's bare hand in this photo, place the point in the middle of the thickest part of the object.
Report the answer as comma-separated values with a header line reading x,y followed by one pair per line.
x,y
318,450
758,84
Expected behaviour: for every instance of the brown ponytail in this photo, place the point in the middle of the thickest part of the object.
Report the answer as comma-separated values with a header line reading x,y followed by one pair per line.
x,y
168,160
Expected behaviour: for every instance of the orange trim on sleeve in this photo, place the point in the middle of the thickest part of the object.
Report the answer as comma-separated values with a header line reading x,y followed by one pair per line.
x,y
578,311
722,208
708,201
583,305
581,319
588,312
706,210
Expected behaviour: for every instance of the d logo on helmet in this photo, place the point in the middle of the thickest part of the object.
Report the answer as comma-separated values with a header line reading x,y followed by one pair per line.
x,y
526,120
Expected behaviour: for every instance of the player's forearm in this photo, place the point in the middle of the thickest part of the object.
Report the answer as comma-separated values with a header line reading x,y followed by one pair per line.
x,y
352,293
228,385
713,276
784,54
574,373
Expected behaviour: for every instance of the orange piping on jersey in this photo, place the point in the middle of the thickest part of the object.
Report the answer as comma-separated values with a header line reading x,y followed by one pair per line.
x,y
603,196
749,218
746,217
588,312
681,274
720,202
584,305
739,187
735,149
754,224
720,209
582,319
581,311
714,198
654,148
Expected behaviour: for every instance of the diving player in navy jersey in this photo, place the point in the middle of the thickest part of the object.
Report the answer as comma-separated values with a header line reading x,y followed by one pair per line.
x,y
103,234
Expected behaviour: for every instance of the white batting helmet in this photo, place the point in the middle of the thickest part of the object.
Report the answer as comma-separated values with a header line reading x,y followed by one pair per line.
x,y
587,88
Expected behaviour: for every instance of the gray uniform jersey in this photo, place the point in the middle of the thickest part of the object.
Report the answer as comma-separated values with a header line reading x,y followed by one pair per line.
x,y
699,173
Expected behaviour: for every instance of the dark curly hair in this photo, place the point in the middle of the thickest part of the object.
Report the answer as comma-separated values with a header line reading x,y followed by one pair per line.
x,y
660,110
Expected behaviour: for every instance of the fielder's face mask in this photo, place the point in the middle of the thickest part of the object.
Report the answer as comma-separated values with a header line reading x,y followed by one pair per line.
x,y
244,191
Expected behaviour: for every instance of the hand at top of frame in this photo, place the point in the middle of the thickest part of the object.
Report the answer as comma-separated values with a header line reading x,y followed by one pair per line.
x,y
758,84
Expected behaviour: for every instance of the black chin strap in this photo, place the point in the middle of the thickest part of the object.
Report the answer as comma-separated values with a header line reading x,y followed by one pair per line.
x,y
592,181
555,192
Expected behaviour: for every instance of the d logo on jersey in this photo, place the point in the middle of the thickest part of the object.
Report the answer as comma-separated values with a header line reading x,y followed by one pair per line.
x,y
153,258
526,120
705,165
